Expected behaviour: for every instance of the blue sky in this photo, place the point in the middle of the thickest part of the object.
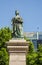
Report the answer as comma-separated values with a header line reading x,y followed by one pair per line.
x,y
30,11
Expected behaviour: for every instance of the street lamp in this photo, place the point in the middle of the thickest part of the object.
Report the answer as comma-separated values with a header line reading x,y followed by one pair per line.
x,y
37,33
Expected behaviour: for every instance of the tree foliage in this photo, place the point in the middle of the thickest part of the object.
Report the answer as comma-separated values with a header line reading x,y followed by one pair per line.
x,y
3,57
31,57
39,54
5,35
34,57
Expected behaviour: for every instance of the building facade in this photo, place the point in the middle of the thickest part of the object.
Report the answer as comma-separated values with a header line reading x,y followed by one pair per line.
x,y
35,37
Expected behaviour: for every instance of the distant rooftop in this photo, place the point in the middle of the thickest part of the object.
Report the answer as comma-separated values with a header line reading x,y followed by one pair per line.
x,y
33,35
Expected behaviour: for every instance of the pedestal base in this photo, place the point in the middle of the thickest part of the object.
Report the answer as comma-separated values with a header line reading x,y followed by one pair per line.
x,y
17,51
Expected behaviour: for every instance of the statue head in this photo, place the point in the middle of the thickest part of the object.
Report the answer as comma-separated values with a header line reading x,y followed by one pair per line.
x,y
18,17
16,12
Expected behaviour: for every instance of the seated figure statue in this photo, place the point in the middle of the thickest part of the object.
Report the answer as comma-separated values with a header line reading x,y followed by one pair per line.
x,y
17,24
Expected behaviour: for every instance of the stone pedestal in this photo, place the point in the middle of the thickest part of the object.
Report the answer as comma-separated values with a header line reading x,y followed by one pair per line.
x,y
17,51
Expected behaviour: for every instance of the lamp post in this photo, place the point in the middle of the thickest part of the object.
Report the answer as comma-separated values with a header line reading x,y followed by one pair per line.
x,y
37,33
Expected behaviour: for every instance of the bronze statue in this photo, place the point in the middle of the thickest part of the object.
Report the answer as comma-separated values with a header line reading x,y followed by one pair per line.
x,y
17,23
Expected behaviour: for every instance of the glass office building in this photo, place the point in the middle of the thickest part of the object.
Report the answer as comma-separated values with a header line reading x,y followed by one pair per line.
x,y
35,37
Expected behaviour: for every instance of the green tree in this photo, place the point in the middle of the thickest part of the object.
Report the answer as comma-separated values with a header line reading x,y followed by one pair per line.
x,y
31,57
34,57
39,58
5,35
3,57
